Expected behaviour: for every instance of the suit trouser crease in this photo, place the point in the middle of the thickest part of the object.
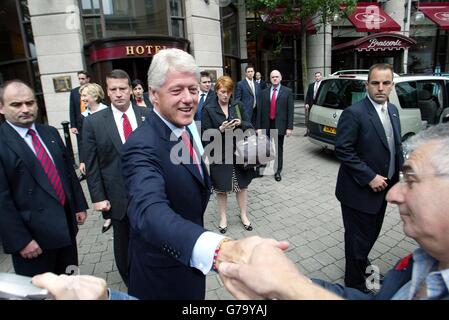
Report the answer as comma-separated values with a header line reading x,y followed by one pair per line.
x,y
361,232
121,243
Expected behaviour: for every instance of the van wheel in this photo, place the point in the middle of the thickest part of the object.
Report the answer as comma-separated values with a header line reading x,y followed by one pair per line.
x,y
408,135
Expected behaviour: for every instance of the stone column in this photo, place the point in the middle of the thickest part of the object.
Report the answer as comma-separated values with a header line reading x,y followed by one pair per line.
x,y
204,33
319,53
59,48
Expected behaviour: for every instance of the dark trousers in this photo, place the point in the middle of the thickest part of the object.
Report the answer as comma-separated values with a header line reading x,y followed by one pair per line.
x,y
279,148
59,261
121,243
361,232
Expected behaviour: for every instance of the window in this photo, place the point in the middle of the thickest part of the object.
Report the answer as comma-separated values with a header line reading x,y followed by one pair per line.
x,y
340,93
407,94
109,18
430,100
18,53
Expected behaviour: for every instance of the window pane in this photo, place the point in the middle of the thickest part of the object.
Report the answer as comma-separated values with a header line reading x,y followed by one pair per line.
x,y
30,39
11,43
230,31
90,6
176,8
14,71
407,94
92,28
177,27
124,17
25,11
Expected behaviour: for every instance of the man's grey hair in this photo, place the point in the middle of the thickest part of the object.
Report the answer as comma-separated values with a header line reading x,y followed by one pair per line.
x,y
439,133
170,60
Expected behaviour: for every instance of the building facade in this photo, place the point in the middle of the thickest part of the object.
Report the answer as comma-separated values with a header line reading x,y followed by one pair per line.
x,y
46,42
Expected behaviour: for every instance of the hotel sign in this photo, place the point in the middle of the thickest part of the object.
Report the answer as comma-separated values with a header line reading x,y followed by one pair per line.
x,y
131,48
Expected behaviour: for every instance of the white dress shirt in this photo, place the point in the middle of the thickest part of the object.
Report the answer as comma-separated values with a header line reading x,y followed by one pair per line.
x,y
378,107
23,132
118,117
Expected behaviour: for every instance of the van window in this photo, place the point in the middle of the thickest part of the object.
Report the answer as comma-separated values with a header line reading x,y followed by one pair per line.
x,y
407,94
430,100
340,93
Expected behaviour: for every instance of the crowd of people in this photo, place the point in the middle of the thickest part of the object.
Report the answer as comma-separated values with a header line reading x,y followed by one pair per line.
x,y
149,175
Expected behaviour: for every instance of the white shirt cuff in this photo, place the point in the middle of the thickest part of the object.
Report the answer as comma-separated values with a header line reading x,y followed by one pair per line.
x,y
203,251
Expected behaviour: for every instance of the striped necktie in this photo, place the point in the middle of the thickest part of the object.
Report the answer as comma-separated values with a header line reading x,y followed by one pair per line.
x,y
48,166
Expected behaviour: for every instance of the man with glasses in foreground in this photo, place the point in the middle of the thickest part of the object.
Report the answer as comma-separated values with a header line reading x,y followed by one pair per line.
x,y
423,203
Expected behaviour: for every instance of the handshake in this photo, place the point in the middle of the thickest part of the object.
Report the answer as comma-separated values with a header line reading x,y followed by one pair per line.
x,y
250,268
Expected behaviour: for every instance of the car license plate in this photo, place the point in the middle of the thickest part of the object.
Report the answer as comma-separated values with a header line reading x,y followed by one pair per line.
x,y
330,130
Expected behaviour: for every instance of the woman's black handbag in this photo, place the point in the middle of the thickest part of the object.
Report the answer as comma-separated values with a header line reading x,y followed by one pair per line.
x,y
254,150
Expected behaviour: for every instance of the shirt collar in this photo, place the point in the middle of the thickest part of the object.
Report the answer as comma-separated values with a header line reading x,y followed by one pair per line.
x,y
177,131
375,104
425,269
22,131
116,111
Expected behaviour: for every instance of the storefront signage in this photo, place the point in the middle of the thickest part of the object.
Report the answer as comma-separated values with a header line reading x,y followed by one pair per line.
x,y
148,50
125,48
382,44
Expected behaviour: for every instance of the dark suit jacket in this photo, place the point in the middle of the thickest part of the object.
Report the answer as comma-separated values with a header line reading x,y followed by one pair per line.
x,y
101,152
75,113
309,96
244,93
166,206
284,110
29,206
262,85
362,147
210,98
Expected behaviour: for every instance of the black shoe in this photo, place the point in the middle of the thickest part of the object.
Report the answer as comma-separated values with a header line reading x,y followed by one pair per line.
x,y
248,227
306,134
223,229
277,176
106,228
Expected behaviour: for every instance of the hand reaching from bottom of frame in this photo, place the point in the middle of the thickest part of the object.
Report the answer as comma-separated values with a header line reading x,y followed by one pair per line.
x,y
79,287
269,274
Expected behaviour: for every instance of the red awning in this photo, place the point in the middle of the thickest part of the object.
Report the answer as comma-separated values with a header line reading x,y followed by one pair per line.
x,y
369,17
438,12
377,42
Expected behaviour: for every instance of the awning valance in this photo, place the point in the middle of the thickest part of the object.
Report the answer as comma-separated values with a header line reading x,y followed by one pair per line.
x,y
370,17
438,12
377,42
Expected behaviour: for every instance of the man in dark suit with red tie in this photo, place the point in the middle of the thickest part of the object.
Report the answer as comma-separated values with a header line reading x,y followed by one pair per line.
x,y
311,96
104,133
41,199
275,111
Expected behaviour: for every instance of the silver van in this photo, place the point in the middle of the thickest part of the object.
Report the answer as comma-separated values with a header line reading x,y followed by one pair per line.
x,y
421,101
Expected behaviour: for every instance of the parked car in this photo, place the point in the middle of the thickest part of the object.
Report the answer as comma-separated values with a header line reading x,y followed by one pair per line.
x,y
421,100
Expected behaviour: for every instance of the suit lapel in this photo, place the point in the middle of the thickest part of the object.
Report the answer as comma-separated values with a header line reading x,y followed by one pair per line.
x,y
172,143
248,87
375,120
140,117
23,151
111,127
394,118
